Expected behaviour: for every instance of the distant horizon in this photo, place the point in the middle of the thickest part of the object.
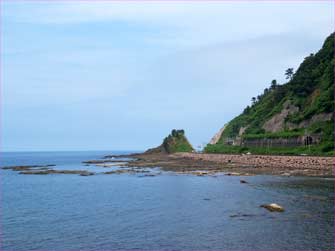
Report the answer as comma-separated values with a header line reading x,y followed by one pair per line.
x,y
122,75
37,151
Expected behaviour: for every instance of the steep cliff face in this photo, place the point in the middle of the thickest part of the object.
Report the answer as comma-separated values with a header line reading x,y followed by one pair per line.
x,y
301,107
277,122
174,142
217,136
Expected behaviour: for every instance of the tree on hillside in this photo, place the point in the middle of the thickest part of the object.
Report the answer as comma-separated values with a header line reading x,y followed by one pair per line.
x,y
253,100
289,73
247,109
273,84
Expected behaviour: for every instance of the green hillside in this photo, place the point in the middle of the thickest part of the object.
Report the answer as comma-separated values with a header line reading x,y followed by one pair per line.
x,y
174,142
298,109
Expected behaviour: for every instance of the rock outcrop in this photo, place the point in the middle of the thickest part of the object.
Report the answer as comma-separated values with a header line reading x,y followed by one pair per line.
x,y
175,142
273,207
321,117
277,122
217,136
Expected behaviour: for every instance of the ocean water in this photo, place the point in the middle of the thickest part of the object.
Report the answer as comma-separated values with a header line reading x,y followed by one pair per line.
x,y
164,212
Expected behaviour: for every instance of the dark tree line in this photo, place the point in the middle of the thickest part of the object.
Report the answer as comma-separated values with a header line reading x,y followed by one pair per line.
x,y
289,73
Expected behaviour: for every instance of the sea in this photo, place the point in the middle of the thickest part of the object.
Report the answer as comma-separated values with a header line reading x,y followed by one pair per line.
x,y
167,211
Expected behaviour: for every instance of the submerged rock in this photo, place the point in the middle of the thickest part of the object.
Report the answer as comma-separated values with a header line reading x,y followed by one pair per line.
x,y
240,215
26,167
42,172
111,164
149,175
95,161
86,174
243,182
51,171
121,171
273,207
200,173
233,174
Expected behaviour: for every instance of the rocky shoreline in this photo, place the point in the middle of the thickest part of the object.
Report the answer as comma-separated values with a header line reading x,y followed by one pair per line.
x,y
44,169
234,164
198,164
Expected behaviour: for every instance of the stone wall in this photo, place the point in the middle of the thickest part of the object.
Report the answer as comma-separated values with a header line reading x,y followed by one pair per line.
x,y
282,142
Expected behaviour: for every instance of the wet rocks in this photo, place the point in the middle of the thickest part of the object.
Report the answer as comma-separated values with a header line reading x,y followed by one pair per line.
x,y
273,207
26,167
199,173
233,174
95,161
120,171
44,170
34,172
86,174
145,173
148,175
241,215
51,171
111,164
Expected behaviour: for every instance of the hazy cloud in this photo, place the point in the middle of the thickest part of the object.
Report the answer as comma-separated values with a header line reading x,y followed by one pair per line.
x,y
121,75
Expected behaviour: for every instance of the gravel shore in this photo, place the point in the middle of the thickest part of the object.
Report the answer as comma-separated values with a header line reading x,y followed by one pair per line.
x,y
238,164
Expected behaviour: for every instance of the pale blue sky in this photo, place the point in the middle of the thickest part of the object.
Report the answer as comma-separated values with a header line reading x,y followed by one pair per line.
x,y
119,76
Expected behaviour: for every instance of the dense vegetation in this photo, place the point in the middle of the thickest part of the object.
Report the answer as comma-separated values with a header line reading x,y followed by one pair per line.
x,y
310,89
177,142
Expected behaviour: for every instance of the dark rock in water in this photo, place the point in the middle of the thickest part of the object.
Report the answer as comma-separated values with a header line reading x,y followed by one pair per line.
x,y
142,171
118,156
129,171
26,167
240,215
273,207
95,161
51,171
121,171
233,174
105,160
35,172
87,174
243,182
149,175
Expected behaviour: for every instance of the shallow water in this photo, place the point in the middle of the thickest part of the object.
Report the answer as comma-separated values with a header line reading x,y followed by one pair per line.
x,y
165,212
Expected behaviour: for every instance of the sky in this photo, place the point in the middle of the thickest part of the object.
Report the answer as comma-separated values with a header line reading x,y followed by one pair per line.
x,y
113,75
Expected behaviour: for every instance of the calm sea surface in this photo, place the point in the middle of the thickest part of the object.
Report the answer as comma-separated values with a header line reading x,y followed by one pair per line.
x,y
165,212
